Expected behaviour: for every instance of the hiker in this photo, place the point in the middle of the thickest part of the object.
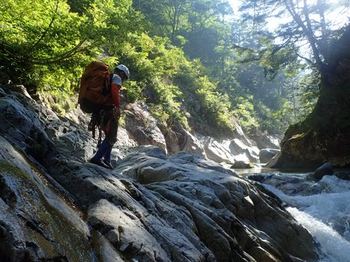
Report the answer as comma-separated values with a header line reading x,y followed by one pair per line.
x,y
100,95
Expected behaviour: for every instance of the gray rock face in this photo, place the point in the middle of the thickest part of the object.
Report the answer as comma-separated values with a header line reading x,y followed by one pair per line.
x,y
264,140
233,152
179,139
182,210
150,208
35,223
324,170
266,154
143,127
218,152
244,151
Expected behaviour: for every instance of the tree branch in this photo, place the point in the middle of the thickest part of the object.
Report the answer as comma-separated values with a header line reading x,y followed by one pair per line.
x,y
46,31
61,57
306,29
306,59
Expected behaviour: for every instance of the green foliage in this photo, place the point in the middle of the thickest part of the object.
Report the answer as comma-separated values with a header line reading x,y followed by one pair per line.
x,y
276,120
27,43
48,53
133,91
173,85
215,105
154,63
275,59
47,45
309,92
245,112
182,55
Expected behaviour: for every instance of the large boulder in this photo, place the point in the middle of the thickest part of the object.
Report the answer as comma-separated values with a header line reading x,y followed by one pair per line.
x,y
266,154
179,139
324,170
265,140
244,151
233,152
142,127
218,151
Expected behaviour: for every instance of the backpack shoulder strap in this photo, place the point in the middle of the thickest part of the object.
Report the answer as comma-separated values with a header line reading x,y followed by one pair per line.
x,y
107,86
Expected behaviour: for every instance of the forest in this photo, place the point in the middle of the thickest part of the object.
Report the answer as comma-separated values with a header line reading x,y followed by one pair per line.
x,y
203,64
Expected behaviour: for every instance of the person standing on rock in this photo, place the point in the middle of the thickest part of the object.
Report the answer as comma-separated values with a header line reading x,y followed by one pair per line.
x,y
100,95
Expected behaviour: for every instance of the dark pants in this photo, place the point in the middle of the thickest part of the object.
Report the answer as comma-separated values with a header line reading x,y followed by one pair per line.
x,y
104,116
107,119
109,124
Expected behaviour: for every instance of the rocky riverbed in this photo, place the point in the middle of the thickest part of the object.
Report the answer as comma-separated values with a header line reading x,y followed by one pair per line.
x,y
151,207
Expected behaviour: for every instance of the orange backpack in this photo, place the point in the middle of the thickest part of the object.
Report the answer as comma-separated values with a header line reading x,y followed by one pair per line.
x,y
95,87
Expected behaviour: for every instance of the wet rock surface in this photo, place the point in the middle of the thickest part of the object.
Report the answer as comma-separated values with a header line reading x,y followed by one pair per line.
x,y
35,222
301,184
151,207
324,170
293,184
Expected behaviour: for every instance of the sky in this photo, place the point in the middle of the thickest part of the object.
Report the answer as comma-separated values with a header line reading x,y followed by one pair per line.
x,y
235,5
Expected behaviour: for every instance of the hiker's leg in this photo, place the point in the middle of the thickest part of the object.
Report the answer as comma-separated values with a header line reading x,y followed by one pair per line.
x,y
97,158
111,136
96,122
101,150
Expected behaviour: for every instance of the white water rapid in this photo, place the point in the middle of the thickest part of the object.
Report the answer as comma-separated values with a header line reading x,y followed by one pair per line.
x,y
325,214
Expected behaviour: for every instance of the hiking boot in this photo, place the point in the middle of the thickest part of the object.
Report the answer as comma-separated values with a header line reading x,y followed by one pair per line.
x,y
99,162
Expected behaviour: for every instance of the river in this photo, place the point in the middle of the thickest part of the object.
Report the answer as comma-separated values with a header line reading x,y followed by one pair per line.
x,y
322,207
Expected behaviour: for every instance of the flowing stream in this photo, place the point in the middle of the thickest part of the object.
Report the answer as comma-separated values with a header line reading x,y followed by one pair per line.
x,y
324,212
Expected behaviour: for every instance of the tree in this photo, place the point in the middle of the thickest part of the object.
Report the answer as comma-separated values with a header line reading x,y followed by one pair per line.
x,y
306,27
165,17
323,135
198,26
